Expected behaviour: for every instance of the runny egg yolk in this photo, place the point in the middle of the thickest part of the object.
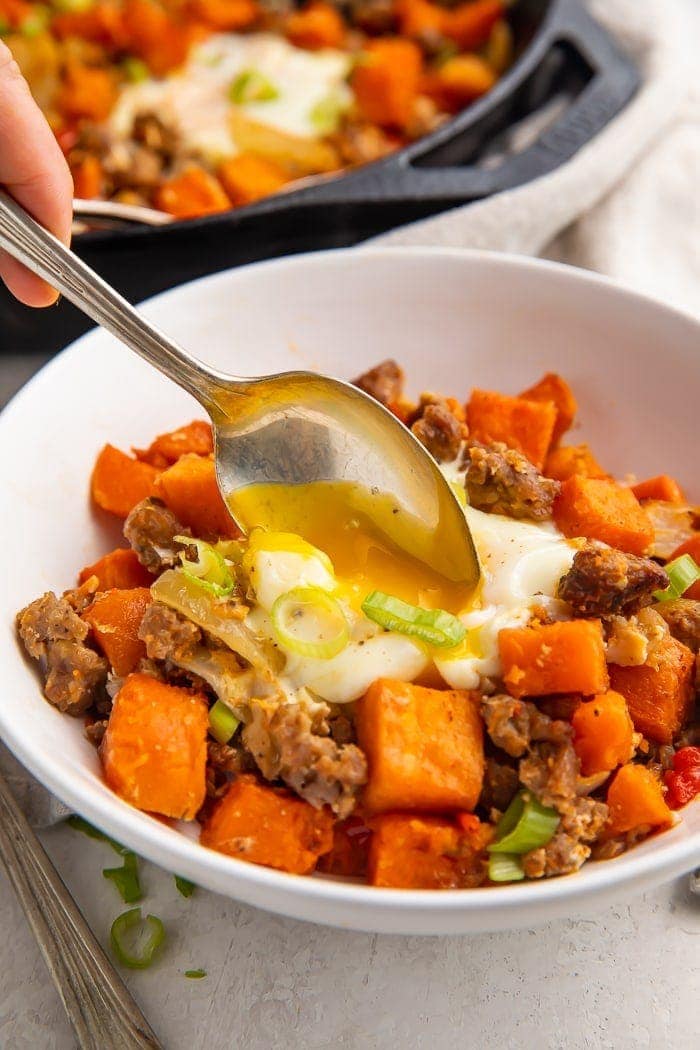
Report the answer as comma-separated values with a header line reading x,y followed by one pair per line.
x,y
363,558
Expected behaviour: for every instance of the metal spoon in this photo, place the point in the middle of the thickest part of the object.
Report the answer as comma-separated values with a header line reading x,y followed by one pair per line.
x,y
294,428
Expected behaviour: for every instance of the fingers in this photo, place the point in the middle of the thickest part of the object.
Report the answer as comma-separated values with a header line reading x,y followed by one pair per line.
x,y
34,172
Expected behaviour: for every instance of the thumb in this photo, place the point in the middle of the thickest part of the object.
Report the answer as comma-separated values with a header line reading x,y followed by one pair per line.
x,y
34,172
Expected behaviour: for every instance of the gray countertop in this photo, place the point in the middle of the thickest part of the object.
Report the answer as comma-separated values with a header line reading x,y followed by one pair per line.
x,y
626,978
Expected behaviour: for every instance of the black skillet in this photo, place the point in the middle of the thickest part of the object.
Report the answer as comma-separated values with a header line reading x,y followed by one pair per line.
x,y
562,52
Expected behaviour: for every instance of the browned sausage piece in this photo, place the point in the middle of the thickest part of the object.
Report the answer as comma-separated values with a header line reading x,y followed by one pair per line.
x,y
683,619
151,529
384,382
602,581
501,480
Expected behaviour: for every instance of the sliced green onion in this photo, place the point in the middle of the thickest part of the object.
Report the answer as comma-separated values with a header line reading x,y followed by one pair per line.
x,y
195,975
208,570
184,886
505,867
135,69
682,573
136,940
78,824
325,115
222,722
434,626
524,826
307,621
126,879
36,22
252,86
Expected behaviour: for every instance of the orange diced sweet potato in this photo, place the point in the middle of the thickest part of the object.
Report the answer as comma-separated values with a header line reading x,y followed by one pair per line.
x,y
564,461
316,26
192,193
424,747
153,35
662,487
470,24
115,618
636,800
226,15
603,510
691,547
419,17
552,387
603,733
195,438
154,751
523,425
189,488
120,568
561,657
348,855
86,92
659,693
258,823
248,177
88,177
387,81
408,851
458,81
119,482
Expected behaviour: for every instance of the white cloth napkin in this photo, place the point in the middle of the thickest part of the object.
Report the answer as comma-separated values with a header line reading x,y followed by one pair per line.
x,y
626,205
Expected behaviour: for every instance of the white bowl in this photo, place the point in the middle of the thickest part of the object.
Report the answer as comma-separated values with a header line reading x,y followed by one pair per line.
x,y
454,320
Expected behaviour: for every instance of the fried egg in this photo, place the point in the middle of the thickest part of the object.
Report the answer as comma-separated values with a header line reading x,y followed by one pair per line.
x,y
195,100
522,563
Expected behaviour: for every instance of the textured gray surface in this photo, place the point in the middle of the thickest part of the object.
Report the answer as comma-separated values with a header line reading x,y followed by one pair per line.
x,y
628,978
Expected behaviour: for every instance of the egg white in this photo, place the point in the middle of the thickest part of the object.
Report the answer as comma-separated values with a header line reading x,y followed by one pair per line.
x,y
196,103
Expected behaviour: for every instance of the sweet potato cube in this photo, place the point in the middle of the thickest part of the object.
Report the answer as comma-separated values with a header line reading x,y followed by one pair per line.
x,y
659,693
317,26
120,568
458,81
260,824
408,851
192,193
561,657
115,618
603,510
566,460
195,438
662,487
552,387
603,733
119,482
636,800
523,425
424,747
470,23
190,490
154,751
387,81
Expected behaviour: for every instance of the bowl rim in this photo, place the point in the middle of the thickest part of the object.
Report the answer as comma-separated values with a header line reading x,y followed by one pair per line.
x,y
177,852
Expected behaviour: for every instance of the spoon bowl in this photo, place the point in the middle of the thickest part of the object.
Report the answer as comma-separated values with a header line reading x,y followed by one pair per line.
x,y
292,450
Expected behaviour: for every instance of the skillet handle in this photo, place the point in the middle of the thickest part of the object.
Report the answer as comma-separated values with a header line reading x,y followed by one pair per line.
x,y
413,177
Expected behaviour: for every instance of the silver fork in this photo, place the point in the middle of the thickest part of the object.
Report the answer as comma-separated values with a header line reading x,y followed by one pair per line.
x,y
103,1014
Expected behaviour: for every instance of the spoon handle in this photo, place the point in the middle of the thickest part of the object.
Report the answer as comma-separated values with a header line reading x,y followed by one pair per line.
x,y
42,253
103,1014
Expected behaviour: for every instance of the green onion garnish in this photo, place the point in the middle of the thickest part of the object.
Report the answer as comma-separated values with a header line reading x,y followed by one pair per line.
x,y
308,622
126,879
252,86
325,115
135,69
208,570
222,722
195,975
505,867
184,886
682,573
524,826
434,626
36,22
135,940
78,824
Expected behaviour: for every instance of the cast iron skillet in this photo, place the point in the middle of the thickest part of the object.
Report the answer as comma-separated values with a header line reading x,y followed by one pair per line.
x,y
562,52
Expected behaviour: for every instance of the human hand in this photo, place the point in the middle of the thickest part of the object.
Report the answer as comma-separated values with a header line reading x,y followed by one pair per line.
x,y
34,172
